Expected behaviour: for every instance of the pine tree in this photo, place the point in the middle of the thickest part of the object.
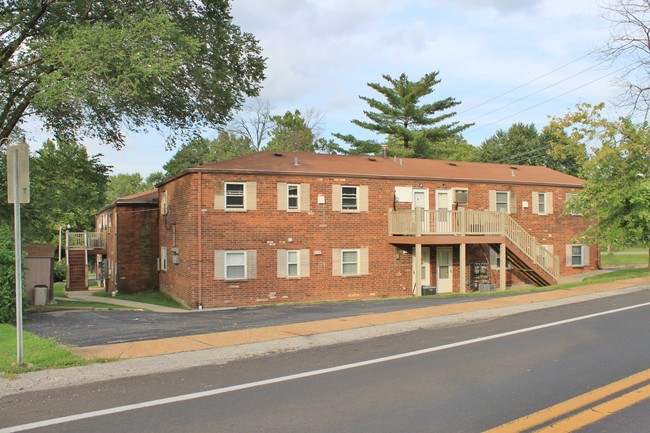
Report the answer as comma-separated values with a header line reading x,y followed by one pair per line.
x,y
403,119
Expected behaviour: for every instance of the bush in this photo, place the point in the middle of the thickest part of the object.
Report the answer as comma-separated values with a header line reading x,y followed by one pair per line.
x,y
7,275
59,270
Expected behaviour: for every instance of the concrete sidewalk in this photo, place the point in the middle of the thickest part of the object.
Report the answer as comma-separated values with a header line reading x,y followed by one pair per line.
x,y
88,296
490,307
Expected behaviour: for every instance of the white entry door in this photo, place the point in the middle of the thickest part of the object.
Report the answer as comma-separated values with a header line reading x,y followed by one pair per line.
x,y
424,270
444,281
421,200
443,211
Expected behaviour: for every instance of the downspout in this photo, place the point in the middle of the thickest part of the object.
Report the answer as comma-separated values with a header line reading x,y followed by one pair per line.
x,y
200,242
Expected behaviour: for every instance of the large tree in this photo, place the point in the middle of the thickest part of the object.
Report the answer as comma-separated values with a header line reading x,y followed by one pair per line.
x,y
616,194
95,67
291,133
629,41
67,186
403,119
123,184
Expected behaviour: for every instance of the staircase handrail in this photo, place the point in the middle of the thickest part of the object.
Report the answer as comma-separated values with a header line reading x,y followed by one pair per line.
x,y
529,245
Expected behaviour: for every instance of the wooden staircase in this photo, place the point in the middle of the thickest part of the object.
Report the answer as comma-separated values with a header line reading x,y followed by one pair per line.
x,y
77,271
519,261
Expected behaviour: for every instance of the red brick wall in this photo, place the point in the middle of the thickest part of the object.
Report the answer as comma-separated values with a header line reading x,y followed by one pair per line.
x,y
132,247
321,229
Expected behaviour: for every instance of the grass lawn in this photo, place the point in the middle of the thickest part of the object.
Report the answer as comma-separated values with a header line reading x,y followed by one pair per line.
x,y
623,274
39,353
155,298
624,259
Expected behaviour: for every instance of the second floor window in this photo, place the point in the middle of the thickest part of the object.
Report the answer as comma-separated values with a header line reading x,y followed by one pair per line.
x,y
293,194
234,196
502,201
542,203
349,198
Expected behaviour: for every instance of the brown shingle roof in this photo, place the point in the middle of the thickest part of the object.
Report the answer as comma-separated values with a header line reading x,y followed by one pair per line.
x,y
150,196
314,164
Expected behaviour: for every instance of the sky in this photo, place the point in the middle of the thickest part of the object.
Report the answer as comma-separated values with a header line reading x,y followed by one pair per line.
x,y
506,61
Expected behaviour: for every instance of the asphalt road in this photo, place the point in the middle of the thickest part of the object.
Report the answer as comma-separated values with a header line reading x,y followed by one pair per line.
x,y
461,385
90,328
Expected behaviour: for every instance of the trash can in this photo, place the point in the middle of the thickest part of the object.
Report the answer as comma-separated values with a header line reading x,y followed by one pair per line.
x,y
40,295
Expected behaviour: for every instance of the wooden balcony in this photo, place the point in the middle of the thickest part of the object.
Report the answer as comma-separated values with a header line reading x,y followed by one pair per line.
x,y
86,240
469,226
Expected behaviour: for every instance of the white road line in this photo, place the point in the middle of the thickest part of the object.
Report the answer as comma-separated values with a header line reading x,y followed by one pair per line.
x,y
228,389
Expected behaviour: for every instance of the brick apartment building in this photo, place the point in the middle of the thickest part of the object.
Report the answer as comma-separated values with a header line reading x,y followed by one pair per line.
x,y
295,227
128,228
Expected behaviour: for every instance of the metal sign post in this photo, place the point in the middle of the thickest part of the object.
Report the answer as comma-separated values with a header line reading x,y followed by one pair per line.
x,y
18,192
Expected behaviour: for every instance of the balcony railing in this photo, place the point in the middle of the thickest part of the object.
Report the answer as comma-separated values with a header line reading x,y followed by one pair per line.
x,y
463,222
86,240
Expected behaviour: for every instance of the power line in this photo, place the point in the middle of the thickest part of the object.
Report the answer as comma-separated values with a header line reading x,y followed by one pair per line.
x,y
525,84
546,101
536,92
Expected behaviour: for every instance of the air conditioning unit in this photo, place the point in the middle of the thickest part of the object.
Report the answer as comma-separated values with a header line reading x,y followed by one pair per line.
x,y
487,287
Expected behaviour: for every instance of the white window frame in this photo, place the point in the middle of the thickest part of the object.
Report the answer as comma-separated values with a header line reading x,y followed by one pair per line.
x,y
163,259
580,255
507,202
542,206
348,196
295,263
243,253
226,196
356,262
295,208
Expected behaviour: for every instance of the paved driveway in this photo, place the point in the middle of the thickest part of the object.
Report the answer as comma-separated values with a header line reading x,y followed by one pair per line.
x,y
95,327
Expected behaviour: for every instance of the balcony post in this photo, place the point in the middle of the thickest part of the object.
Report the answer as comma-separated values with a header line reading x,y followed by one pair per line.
x,y
462,216
502,220
418,269
418,222
463,266
502,268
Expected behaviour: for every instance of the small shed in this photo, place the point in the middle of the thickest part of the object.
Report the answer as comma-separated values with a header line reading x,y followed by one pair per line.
x,y
39,268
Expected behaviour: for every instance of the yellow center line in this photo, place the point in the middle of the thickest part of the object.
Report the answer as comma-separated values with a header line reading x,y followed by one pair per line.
x,y
561,409
603,410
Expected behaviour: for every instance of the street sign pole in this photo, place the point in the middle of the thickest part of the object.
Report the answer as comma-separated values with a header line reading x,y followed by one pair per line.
x,y
19,260
17,193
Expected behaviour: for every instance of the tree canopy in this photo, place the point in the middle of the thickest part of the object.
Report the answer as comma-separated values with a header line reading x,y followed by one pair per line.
x,y
404,120
202,151
92,68
291,133
67,186
616,194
